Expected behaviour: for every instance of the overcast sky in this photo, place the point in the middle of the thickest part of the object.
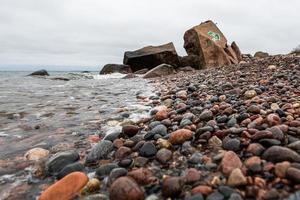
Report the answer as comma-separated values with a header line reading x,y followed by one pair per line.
x,y
90,33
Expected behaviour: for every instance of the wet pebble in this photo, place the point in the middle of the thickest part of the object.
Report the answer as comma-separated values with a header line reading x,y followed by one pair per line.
x,y
99,151
164,155
125,188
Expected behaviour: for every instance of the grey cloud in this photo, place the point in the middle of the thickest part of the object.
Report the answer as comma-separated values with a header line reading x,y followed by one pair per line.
x,y
95,32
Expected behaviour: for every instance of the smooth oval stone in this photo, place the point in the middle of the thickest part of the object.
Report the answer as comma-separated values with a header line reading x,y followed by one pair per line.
x,y
125,188
232,144
66,188
105,170
148,149
198,196
74,167
269,142
215,196
112,136
99,151
279,154
58,161
116,173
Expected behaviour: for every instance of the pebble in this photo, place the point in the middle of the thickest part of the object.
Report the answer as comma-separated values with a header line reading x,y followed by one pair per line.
x,y
235,196
130,130
172,186
253,164
214,142
198,196
122,152
180,136
196,158
148,150
125,188
215,196
281,168
279,154
192,175
164,155
112,136
230,162
231,144
36,154
58,161
66,188
92,186
273,119
74,167
161,115
142,176
206,115
105,170
236,178
99,151
203,189
116,173
249,94
293,174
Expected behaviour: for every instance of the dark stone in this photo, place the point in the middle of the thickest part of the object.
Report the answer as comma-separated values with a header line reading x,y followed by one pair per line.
x,y
190,60
235,196
215,196
148,149
130,130
293,174
116,173
112,136
151,56
116,68
232,144
125,163
105,170
39,73
172,186
99,151
226,191
58,161
164,155
74,167
269,142
198,196
279,154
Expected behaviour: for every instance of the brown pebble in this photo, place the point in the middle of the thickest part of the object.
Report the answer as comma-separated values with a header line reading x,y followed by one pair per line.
x,y
125,188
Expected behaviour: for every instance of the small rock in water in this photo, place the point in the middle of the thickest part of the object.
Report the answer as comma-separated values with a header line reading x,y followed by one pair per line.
x,y
92,186
105,170
58,161
66,188
130,130
36,154
74,167
99,151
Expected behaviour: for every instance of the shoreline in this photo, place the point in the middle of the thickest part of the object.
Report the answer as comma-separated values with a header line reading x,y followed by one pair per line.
x,y
212,134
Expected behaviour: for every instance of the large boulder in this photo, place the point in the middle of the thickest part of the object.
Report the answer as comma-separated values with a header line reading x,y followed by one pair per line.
x,y
39,73
116,68
160,70
151,56
261,54
190,60
208,42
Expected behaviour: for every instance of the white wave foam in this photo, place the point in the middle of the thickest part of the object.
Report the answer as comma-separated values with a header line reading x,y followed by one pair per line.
x,y
109,76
